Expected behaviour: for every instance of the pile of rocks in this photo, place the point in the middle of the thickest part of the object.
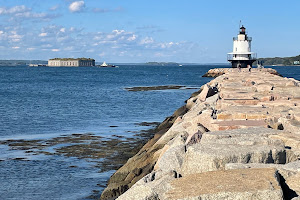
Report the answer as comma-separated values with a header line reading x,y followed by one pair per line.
x,y
237,139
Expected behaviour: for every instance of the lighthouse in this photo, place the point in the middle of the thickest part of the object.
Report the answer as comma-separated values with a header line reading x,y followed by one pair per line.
x,y
241,54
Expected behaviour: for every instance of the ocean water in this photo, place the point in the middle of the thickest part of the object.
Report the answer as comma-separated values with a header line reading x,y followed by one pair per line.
x,y
43,103
40,103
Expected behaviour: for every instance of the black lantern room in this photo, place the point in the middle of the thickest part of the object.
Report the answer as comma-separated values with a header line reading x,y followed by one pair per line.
x,y
242,30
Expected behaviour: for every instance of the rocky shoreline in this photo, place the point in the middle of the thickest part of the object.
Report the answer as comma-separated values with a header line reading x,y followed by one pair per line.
x,y
237,138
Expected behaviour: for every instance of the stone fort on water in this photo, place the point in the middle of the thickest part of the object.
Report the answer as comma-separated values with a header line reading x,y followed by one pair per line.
x,y
71,62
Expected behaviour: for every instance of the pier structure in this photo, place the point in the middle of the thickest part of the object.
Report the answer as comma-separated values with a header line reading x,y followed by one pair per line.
x,y
241,54
71,62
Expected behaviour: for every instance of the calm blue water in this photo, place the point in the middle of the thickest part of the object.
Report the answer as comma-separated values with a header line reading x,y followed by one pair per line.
x,y
67,100
42,102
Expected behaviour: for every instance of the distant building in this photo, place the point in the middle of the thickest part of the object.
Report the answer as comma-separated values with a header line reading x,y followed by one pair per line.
x,y
71,62
297,62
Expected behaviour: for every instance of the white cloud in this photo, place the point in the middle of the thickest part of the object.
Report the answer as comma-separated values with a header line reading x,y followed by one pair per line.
x,y
118,32
118,45
15,37
132,38
147,40
43,34
76,6
13,10
167,44
21,12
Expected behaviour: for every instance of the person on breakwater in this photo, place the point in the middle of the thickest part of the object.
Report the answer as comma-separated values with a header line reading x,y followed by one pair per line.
x,y
249,68
239,67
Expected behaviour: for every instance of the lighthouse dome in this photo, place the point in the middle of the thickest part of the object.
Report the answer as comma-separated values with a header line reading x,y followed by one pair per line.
x,y
242,30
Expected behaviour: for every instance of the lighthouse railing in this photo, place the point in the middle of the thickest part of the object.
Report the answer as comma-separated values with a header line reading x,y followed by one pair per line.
x,y
246,56
247,38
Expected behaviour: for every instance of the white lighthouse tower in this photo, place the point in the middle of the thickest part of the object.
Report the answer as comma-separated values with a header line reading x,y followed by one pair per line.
x,y
241,54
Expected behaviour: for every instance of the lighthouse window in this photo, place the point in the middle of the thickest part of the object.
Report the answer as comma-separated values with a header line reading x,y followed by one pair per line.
x,y
235,49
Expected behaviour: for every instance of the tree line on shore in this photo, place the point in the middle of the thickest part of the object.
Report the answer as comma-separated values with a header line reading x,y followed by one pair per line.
x,y
286,61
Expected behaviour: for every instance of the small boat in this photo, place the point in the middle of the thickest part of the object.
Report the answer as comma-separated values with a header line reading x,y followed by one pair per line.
x,y
37,65
106,65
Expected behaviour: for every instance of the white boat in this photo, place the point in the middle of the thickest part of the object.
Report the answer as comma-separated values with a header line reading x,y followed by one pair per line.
x,y
104,64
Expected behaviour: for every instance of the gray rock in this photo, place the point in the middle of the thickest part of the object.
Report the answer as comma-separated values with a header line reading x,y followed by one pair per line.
x,y
216,149
249,132
230,166
152,187
172,159
292,166
140,192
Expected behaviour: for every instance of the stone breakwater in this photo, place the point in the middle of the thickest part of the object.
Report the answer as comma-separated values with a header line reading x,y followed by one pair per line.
x,y
220,71
238,138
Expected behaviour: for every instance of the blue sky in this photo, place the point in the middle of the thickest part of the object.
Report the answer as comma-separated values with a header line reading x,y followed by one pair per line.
x,y
194,31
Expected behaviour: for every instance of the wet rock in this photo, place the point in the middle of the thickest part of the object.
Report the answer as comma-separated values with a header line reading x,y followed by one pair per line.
x,y
149,88
19,158
148,124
